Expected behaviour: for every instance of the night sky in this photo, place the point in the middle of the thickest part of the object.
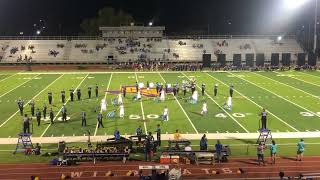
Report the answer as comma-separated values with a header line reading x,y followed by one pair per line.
x,y
63,17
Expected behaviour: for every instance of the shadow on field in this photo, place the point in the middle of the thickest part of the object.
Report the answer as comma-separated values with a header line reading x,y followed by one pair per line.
x,y
288,158
246,141
251,162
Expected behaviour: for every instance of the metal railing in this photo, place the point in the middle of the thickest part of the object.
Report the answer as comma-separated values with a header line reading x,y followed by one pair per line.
x,y
165,37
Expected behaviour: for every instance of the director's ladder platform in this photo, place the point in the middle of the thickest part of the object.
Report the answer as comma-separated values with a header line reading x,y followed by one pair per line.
x,y
24,142
265,135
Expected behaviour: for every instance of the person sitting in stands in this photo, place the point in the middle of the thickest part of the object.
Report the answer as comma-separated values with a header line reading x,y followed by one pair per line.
x,y
188,148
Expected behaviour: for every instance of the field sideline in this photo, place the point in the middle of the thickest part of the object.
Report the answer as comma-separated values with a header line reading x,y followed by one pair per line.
x,y
291,98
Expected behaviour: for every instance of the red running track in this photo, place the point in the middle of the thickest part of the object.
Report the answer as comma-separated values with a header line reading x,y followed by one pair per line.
x,y
88,170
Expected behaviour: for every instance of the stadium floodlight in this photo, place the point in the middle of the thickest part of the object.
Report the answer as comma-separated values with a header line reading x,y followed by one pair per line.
x,y
293,4
150,23
279,38
38,32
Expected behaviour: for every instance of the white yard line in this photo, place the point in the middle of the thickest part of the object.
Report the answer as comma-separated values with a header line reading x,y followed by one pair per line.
x,y
221,107
105,96
289,85
117,72
256,104
301,79
278,95
19,86
309,74
181,108
142,111
61,107
10,76
30,100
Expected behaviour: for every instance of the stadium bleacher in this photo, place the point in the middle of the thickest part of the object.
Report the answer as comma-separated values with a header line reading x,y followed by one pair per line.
x,y
166,49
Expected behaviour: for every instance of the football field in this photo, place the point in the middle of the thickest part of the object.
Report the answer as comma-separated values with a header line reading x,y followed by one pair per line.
x,y
291,98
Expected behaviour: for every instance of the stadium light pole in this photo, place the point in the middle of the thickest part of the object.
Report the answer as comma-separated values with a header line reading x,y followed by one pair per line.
x,y
293,4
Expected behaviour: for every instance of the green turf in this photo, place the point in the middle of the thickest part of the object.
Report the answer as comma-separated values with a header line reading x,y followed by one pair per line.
x,y
291,97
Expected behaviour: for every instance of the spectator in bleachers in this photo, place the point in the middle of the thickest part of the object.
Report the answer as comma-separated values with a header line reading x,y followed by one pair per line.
x,y
53,53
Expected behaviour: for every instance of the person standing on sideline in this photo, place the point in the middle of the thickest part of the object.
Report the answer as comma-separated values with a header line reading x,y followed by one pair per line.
x,y
177,135
84,118
218,148
260,153
139,133
63,96
158,131
231,90
203,143
50,97
51,115
264,119
147,148
273,151
300,150
215,90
